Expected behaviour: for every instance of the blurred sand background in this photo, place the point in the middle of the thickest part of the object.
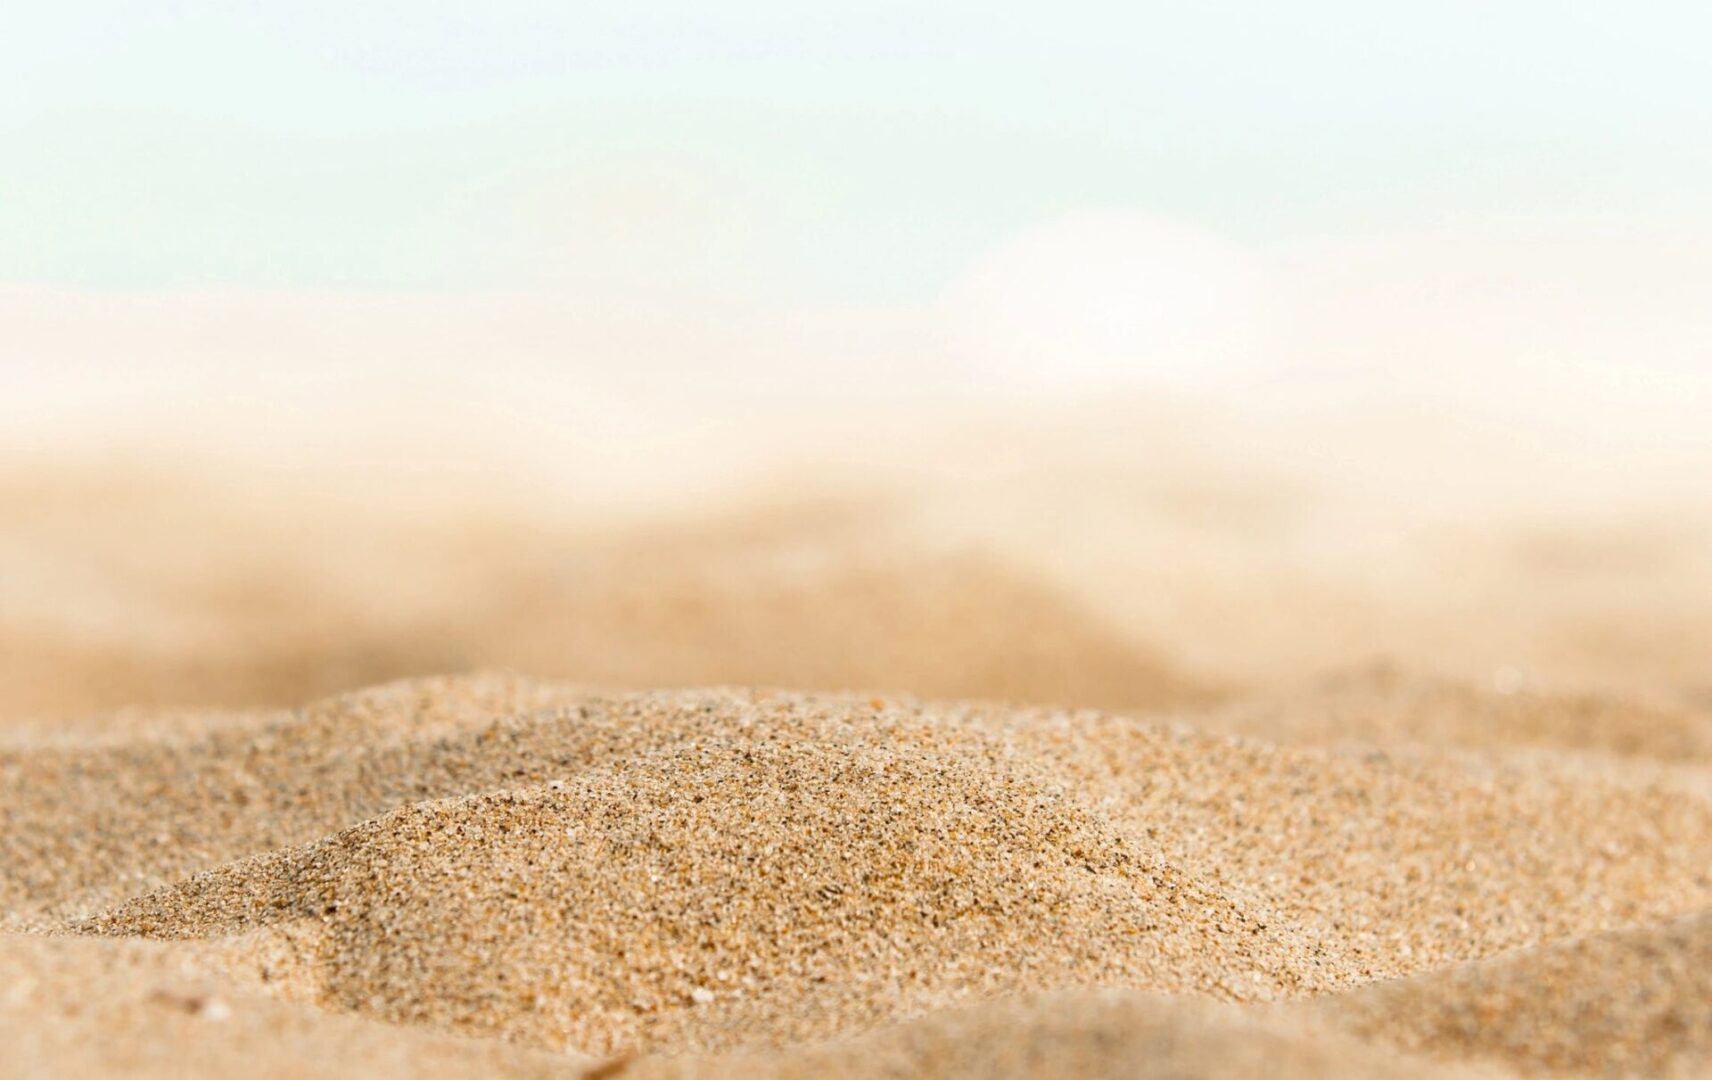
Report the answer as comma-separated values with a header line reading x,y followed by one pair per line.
x,y
202,531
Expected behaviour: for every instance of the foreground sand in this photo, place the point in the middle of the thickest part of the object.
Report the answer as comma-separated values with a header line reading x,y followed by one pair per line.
x,y
1097,759
495,875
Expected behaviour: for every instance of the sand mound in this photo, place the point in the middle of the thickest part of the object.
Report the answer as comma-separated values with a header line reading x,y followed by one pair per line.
x,y
696,898
1559,849
91,825
500,855
1636,1002
1380,704
698,871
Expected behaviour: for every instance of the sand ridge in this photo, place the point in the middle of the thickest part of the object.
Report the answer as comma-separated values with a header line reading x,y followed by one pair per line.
x,y
717,872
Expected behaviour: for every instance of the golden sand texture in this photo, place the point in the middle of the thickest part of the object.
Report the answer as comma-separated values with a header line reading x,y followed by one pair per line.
x,y
748,873
806,866
1630,1002
102,1007
92,825
1114,1033
794,893
71,1007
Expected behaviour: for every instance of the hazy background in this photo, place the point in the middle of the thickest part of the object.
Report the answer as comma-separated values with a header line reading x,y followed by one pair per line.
x,y
640,219
1081,353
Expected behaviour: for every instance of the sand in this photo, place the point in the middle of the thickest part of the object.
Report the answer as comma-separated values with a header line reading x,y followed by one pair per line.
x,y
800,880
971,779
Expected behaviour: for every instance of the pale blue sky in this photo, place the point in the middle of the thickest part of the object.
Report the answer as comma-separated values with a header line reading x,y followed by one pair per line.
x,y
841,150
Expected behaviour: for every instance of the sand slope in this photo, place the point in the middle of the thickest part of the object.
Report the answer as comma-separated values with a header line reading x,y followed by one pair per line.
x,y
1631,1001
1114,1033
745,875
77,1007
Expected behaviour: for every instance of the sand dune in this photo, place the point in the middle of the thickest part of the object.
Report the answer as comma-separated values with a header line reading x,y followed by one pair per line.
x,y
712,872
690,900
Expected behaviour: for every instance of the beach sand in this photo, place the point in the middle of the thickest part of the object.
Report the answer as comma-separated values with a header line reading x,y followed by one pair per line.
x,y
1058,768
